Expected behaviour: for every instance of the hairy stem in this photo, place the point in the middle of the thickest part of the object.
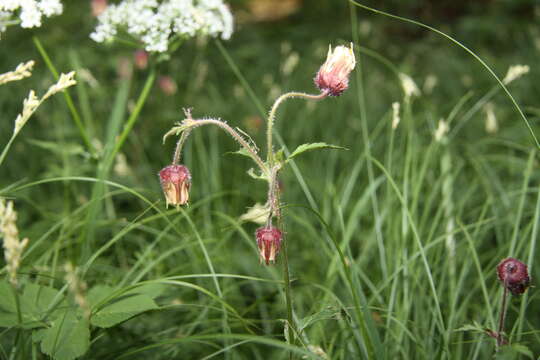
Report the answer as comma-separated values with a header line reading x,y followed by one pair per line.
x,y
179,145
272,116
193,123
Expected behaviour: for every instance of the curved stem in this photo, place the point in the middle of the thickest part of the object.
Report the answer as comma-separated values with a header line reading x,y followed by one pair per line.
x,y
272,115
179,145
193,123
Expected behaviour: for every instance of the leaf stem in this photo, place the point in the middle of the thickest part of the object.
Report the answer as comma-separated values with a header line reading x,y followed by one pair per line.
x,y
502,317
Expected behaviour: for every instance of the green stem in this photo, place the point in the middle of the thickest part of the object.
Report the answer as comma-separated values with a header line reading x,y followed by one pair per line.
x,y
288,298
67,96
502,317
6,148
134,115
272,115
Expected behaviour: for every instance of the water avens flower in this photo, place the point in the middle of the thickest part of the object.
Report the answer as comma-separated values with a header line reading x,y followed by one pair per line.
x,y
514,275
269,242
333,76
175,182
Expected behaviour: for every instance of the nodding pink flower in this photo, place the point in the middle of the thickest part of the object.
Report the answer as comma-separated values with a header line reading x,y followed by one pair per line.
x,y
333,76
141,59
175,182
98,7
269,242
514,275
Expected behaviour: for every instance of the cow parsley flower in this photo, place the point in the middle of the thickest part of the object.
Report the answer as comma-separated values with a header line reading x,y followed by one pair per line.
x,y
27,12
158,23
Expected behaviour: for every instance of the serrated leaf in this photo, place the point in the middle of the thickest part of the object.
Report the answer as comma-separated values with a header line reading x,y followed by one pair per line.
x,y
121,308
35,302
68,338
313,146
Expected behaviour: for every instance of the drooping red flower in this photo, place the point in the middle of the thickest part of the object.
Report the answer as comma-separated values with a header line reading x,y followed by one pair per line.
x,y
175,182
269,242
514,275
333,76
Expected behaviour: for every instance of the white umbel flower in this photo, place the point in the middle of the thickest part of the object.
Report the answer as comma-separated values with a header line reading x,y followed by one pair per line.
x,y
157,23
28,13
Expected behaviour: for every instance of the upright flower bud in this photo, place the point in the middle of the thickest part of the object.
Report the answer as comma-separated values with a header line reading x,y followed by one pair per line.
x,y
175,182
269,242
333,76
514,275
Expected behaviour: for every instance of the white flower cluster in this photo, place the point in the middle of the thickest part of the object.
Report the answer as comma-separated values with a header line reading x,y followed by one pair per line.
x,y
28,12
156,23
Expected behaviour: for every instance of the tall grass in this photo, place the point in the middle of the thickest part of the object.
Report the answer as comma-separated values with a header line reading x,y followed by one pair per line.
x,y
392,245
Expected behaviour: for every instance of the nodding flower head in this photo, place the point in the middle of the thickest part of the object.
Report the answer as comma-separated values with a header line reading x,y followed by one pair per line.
x,y
333,76
514,275
269,242
175,182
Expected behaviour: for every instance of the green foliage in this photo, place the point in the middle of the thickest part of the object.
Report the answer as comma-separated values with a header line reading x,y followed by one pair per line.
x,y
392,245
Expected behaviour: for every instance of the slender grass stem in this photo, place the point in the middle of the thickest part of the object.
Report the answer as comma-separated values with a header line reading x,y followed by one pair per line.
x,y
134,115
67,96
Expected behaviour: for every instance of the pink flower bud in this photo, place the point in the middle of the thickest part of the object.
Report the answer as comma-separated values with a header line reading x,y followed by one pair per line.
x,y
98,7
269,242
333,76
167,85
175,182
514,275
141,59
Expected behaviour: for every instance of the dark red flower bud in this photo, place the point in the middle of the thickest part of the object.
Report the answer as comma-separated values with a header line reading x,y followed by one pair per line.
x,y
269,242
175,182
514,275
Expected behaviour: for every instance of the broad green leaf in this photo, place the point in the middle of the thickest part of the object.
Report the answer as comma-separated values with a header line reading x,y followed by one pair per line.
x,y
513,352
313,146
68,338
36,301
122,307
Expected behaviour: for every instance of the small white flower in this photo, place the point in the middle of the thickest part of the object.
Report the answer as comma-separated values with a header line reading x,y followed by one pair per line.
x,y
441,131
395,115
28,12
491,121
158,23
515,72
409,86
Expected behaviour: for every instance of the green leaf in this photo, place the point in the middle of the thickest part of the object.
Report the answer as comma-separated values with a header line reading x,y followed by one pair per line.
x,y
511,352
241,151
35,304
109,311
67,339
58,148
313,146
251,172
